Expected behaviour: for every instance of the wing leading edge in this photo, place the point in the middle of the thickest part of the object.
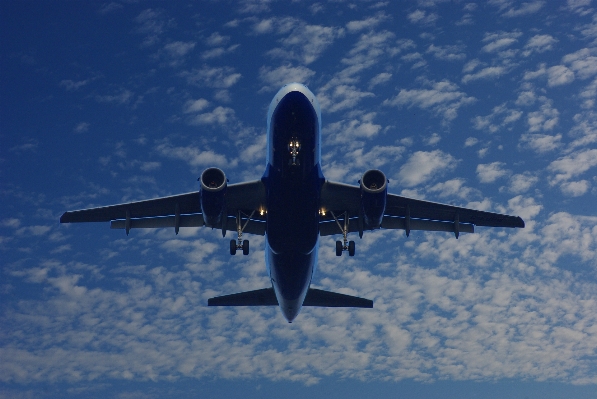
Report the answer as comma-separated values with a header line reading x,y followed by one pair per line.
x,y
408,213
182,210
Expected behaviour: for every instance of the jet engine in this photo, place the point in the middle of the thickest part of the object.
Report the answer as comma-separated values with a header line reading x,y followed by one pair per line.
x,y
213,196
374,190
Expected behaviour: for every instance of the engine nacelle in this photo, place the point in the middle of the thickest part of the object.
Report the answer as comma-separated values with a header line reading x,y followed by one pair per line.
x,y
213,196
374,191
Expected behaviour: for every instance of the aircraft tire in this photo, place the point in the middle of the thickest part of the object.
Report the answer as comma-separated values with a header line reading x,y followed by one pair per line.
x,y
338,248
351,248
245,247
232,247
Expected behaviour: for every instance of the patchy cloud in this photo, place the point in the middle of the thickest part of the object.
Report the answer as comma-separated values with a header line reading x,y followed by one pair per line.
x,y
214,77
423,166
442,98
195,157
488,173
273,79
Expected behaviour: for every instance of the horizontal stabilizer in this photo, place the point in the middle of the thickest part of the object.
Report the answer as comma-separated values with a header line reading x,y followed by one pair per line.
x,y
267,297
263,297
323,298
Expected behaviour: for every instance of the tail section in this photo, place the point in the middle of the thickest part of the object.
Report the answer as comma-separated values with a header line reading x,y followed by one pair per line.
x,y
267,297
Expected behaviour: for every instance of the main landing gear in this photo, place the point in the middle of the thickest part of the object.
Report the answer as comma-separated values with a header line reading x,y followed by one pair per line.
x,y
239,243
344,245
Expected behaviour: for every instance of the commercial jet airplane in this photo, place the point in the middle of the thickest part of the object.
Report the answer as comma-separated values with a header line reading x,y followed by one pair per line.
x,y
292,205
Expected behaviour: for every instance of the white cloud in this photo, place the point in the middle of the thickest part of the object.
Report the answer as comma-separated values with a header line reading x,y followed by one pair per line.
x,y
219,115
218,52
179,49
572,165
541,143
124,97
217,40
443,98
485,73
525,8
71,85
195,157
542,71
500,117
303,42
11,222
423,166
216,77
488,173
379,79
521,183
559,75
81,127
274,79
341,97
448,52
422,17
575,188
499,41
544,119
539,44
579,6
583,62
151,24
526,97
433,139
346,131
377,157
195,105
470,141
454,188
367,23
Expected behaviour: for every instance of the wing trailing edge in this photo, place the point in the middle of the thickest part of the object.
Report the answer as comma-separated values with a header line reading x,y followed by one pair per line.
x,y
267,297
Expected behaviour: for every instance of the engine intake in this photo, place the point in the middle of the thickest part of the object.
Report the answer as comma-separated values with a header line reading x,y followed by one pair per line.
x,y
213,196
374,191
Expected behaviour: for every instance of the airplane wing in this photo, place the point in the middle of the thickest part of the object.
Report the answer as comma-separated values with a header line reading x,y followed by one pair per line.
x,y
405,213
182,210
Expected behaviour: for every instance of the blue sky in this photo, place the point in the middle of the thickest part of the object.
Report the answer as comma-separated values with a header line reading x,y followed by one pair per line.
x,y
487,105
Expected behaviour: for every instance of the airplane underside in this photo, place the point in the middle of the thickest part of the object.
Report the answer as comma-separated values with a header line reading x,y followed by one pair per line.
x,y
292,205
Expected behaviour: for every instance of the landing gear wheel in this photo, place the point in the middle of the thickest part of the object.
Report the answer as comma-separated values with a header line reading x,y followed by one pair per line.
x,y
232,247
245,247
351,248
339,248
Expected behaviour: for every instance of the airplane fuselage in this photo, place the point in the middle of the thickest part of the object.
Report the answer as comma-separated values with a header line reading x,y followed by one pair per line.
x,y
293,191
293,179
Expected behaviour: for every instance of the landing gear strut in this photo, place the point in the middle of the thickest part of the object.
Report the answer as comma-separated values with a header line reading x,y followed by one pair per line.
x,y
239,243
344,245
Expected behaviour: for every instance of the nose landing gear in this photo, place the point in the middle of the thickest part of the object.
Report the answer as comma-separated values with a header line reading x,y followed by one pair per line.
x,y
344,245
294,147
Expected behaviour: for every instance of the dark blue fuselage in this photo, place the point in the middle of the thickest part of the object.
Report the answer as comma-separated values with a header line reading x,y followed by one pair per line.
x,y
293,179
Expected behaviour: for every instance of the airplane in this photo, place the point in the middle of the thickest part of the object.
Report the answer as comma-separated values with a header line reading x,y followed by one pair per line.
x,y
292,205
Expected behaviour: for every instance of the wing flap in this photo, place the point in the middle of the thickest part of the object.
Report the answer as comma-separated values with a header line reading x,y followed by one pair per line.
x,y
399,223
253,226
158,222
